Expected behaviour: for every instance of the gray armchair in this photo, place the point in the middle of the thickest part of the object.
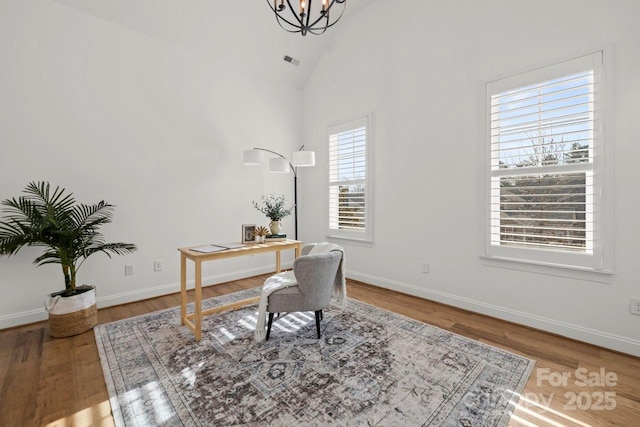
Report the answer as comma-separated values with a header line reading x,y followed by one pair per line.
x,y
315,276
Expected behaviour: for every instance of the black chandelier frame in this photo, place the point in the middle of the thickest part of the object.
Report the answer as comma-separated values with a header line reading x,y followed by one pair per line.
x,y
303,22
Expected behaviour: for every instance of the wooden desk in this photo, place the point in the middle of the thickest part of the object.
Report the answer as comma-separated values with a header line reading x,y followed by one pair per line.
x,y
194,320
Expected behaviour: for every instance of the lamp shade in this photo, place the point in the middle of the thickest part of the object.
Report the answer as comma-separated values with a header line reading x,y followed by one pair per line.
x,y
303,158
252,157
278,165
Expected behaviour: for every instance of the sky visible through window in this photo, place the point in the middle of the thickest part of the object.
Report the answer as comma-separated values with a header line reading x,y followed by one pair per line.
x,y
351,155
545,123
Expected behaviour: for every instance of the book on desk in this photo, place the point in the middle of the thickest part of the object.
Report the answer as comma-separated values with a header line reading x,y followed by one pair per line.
x,y
217,247
275,238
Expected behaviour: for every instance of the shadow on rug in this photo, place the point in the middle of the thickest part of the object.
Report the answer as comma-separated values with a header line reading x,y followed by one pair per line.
x,y
371,367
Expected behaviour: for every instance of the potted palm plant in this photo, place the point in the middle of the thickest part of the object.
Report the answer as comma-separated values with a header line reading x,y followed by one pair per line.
x,y
69,233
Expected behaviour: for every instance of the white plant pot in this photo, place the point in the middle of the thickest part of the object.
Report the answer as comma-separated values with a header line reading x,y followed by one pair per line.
x,y
275,227
72,315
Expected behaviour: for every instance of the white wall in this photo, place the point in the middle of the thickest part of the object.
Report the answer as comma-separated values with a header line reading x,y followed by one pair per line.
x,y
113,114
420,67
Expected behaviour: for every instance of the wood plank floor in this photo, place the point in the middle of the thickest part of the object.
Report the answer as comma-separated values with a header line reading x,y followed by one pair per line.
x,y
59,382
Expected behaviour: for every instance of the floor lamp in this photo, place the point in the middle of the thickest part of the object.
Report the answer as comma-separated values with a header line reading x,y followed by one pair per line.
x,y
280,164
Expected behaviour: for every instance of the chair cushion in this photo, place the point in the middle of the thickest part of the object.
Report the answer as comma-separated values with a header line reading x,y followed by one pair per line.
x,y
292,290
286,300
310,285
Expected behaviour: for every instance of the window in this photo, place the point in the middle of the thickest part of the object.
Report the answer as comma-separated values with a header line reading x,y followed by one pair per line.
x,y
349,187
545,154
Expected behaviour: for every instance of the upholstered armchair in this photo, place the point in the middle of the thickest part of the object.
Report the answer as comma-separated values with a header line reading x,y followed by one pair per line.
x,y
315,278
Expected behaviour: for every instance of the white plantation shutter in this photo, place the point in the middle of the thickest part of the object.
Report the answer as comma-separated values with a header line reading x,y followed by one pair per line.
x,y
545,138
349,203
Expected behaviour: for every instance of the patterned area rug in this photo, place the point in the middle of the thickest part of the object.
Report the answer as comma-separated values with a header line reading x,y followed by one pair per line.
x,y
371,367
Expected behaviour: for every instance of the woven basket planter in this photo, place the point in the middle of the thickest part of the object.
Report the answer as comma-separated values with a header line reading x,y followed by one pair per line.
x,y
72,315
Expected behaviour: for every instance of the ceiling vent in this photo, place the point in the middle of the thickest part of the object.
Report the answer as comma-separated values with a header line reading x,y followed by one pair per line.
x,y
291,60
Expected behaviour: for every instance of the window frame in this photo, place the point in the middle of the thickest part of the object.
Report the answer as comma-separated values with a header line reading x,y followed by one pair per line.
x,y
366,235
563,263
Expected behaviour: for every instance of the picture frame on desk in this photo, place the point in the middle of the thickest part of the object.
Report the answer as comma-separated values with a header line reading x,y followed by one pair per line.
x,y
247,233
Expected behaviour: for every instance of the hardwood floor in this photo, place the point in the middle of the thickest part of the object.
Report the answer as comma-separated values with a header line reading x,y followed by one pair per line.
x,y
59,382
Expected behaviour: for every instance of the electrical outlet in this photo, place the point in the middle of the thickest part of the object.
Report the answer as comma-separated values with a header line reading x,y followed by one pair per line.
x,y
128,270
157,265
425,267
634,306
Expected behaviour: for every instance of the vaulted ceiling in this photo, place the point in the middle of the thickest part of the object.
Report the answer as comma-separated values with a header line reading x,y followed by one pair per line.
x,y
243,33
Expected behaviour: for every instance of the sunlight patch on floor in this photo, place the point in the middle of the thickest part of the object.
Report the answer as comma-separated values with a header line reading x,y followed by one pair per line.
x,y
151,394
228,335
190,374
301,317
96,415
543,415
248,325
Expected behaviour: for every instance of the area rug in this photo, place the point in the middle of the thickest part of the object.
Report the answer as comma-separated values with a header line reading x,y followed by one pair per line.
x,y
371,367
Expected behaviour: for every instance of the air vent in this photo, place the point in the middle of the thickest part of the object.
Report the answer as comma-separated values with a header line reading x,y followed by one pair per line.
x,y
291,60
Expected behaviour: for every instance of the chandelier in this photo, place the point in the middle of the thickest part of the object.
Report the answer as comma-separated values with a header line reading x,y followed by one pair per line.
x,y
307,18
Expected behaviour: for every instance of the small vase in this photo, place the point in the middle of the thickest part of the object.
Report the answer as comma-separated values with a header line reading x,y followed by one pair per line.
x,y
275,227
258,239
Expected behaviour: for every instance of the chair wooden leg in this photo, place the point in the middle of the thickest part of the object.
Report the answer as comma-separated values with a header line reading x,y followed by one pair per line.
x,y
269,326
318,318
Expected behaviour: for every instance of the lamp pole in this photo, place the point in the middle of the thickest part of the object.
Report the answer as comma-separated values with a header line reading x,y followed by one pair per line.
x,y
295,185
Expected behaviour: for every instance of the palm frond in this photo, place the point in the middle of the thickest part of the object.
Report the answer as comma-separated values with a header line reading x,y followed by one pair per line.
x,y
57,201
51,218
48,257
109,248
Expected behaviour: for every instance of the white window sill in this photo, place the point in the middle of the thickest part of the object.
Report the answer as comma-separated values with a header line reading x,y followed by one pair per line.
x,y
350,240
587,274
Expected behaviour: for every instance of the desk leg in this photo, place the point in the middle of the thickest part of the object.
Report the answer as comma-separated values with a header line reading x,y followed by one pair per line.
x,y
198,302
183,288
278,262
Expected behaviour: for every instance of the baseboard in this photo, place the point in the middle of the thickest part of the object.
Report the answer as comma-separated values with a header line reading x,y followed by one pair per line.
x,y
38,315
599,338
591,336
126,297
22,318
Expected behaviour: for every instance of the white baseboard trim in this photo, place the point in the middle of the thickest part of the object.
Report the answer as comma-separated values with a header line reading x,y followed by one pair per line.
x,y
23,318
37,315
592,336
577,332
